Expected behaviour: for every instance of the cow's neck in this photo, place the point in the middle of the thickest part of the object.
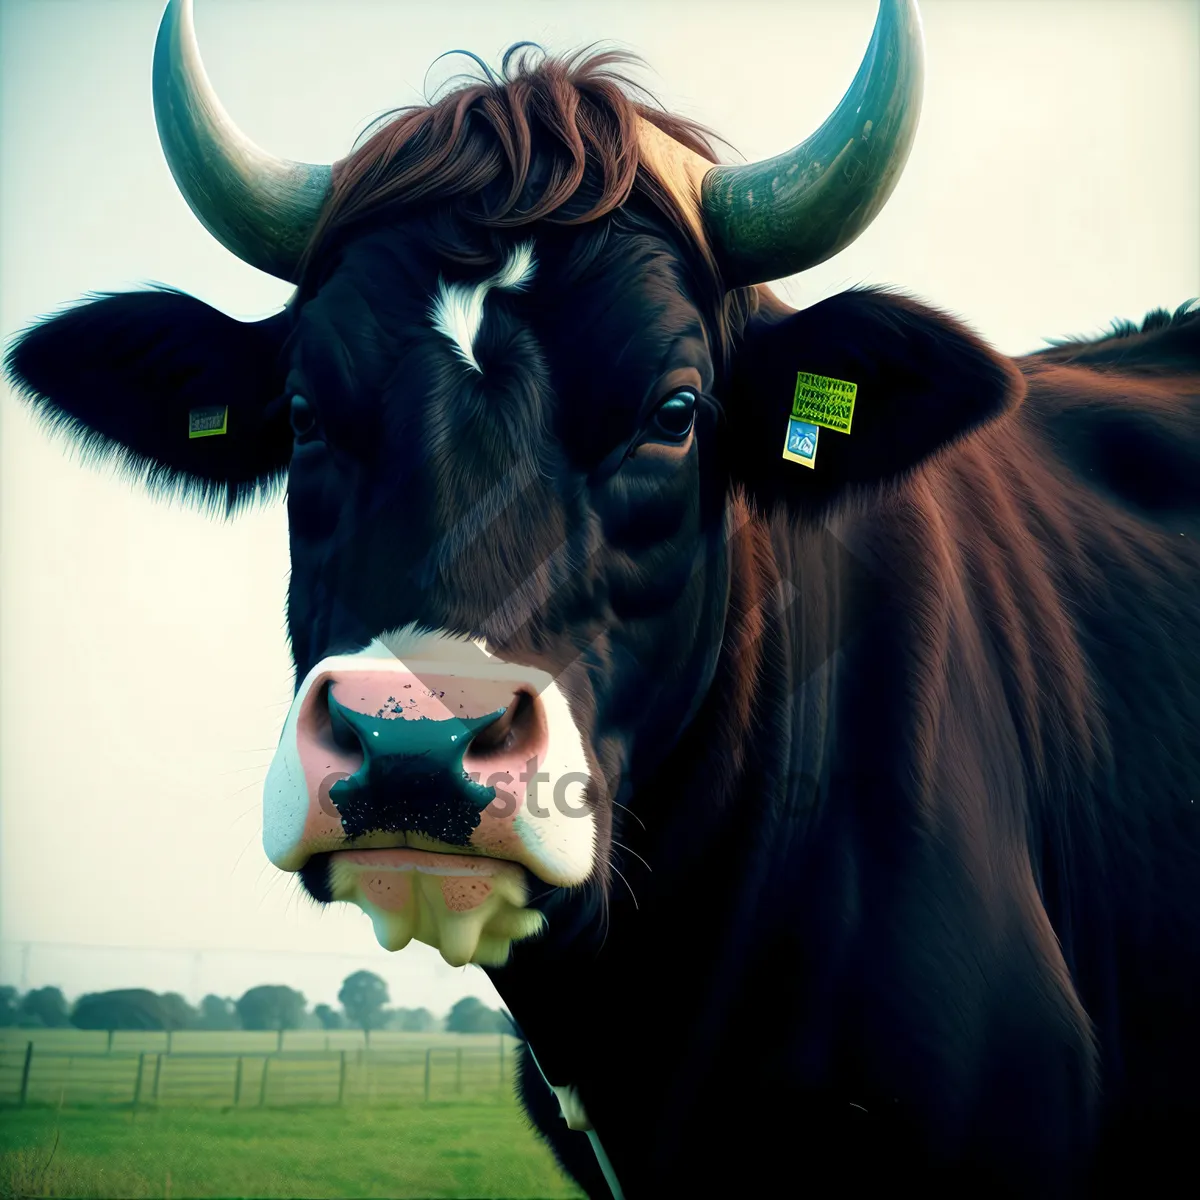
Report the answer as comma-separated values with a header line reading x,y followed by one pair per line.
x,y
740,783
781,836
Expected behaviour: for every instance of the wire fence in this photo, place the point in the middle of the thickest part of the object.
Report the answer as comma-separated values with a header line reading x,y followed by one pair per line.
x,y
54,1072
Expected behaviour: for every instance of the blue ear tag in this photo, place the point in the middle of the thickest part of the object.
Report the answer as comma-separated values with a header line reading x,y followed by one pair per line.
x,y
801,444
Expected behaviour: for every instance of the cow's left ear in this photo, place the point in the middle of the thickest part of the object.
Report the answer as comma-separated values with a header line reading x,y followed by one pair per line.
x,y
185,399
921,381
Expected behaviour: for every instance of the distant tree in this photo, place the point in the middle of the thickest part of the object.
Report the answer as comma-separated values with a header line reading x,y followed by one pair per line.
x,y
421,1020
271,1006
44,1006
125,1008
330,1018
363,997
217,1012
412,1020
178,1012
9,1006
471,1015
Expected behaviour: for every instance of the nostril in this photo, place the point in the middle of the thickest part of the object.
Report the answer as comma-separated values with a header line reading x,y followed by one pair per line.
x,y
520,726
344,735
326,733
499,733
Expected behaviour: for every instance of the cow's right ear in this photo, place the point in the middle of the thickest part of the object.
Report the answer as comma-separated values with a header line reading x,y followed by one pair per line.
x,y
186,399
884,381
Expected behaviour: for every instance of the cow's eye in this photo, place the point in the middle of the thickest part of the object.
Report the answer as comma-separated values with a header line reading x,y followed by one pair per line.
x,y
304,418
675,415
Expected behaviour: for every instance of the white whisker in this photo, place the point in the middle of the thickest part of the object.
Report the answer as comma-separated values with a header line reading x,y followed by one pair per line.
x,y
635,854
626,883
630,812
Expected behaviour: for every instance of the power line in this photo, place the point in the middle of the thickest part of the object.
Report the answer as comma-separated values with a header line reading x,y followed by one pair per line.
x,y
26,944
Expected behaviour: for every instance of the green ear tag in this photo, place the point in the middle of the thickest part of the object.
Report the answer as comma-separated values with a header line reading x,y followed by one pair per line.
x,y
823,401
208,422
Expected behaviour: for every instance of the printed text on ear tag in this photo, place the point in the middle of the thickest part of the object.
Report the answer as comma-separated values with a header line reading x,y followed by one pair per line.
x,y
823,401
208,422
801,444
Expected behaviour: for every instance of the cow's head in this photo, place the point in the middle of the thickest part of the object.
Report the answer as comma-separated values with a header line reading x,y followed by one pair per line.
x,y
522,390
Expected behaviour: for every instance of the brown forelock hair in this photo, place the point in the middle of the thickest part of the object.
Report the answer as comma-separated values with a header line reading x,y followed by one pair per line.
x,y
548,139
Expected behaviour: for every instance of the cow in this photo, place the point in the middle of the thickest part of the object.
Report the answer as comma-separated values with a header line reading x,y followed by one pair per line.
x,y
677,656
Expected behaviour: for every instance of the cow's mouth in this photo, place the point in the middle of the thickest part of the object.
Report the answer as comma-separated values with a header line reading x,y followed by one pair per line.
x,y
469,907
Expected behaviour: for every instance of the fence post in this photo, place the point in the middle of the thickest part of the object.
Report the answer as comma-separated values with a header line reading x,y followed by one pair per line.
x,y
342,1080
458,1072
237,1083
25,1071
170,1037
137,1084
428,1061
108,1049
157,1076
62,1092
279,1041
262,1087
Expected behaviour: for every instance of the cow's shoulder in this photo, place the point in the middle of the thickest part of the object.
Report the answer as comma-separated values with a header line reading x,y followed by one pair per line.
x,y
1122,412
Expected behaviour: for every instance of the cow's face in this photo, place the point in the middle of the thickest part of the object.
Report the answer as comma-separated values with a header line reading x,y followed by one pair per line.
x,y
508,571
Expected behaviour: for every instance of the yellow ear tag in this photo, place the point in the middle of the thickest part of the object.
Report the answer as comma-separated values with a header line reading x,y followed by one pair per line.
x,y
208,422
819,401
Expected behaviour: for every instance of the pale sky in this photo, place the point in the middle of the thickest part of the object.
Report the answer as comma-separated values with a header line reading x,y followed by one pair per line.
x,y
1054,185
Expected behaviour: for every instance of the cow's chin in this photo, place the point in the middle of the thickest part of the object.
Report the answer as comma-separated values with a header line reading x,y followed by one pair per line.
x,y
469,908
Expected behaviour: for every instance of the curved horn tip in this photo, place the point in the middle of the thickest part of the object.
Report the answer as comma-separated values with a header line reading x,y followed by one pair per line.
x,y
260,207
781,215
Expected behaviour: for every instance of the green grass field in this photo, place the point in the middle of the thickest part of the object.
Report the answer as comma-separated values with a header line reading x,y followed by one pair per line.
x,y
419,1150
79,1135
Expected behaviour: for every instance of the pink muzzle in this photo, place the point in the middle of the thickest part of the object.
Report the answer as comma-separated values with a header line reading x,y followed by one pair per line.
x,y
430,780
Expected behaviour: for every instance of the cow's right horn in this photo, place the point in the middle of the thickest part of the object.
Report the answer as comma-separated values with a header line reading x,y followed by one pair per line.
x,y
773,218
261,207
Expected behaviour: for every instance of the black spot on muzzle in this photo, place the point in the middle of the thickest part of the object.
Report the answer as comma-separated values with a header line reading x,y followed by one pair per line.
x,y
411,778
401,793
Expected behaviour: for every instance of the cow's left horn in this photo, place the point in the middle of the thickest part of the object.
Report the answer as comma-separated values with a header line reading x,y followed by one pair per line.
x,y
261,207
772,218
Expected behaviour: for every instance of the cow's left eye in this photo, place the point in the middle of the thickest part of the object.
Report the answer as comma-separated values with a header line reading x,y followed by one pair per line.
x,y
303,418
676,414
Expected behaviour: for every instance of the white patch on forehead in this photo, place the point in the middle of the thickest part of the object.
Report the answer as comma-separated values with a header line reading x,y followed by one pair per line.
x,y
457,310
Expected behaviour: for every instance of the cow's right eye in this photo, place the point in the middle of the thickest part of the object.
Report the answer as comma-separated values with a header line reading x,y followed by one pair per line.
x,y
676,415
304,418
